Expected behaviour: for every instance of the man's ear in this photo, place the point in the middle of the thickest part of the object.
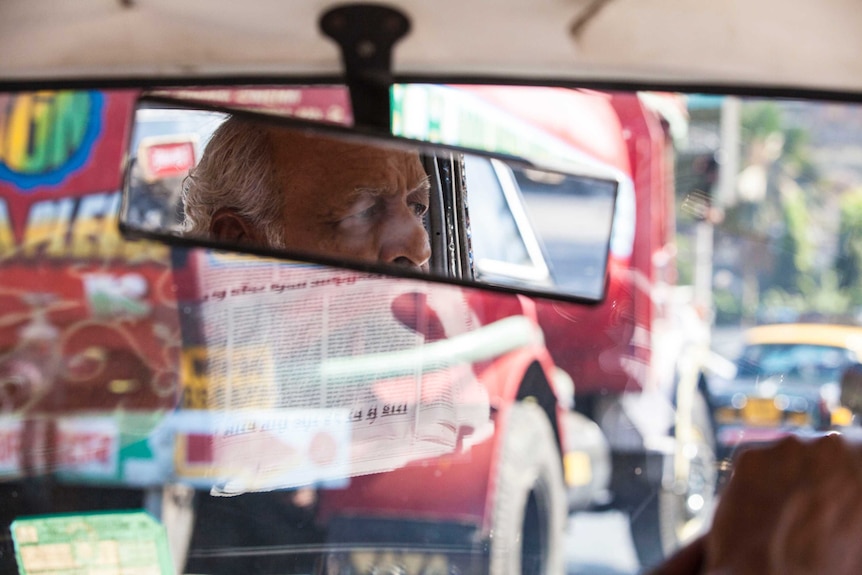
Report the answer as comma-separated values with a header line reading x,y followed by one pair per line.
x,y
227,225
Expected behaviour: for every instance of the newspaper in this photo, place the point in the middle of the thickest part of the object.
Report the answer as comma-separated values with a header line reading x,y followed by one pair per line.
x,y
293,351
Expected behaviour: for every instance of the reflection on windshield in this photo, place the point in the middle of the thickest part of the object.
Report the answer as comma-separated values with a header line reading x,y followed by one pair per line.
x,y
338,372
806,363
168,409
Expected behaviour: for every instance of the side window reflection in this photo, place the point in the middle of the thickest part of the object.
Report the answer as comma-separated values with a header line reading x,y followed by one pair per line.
x,y
495,235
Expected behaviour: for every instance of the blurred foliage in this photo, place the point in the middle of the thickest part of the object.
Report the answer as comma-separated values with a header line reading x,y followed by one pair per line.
x,y
826,298
849,259
794,257
728,307
819,299
782,253
760,119
797,157
779,219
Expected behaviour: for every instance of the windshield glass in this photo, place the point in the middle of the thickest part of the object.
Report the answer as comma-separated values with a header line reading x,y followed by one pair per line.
x,y
808,363
174,408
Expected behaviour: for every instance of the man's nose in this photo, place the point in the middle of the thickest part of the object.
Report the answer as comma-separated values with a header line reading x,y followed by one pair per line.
x,y
404,241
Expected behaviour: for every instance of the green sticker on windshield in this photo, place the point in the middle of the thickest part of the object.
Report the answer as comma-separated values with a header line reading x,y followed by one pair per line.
x,y
105,543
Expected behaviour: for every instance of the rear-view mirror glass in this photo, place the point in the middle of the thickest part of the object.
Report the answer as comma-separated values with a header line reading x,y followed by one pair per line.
x,y
253,181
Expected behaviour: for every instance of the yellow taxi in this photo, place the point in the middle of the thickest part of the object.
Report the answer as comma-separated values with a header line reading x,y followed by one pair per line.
x,y
787,381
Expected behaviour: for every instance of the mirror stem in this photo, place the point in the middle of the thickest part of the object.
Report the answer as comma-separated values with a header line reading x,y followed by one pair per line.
x,y
366,34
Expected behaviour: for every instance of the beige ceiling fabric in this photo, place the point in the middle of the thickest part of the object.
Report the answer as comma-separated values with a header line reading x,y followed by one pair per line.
x,y
786,43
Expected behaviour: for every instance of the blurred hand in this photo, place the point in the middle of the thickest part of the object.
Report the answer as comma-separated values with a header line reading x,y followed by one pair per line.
x,y
687,561
793,508
790,509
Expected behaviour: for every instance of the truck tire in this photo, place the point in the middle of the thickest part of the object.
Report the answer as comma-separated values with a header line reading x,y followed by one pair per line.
x,y
530,502
671,516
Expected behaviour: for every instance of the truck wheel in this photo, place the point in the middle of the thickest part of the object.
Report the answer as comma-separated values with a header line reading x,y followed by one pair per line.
x,y
530,503
676,514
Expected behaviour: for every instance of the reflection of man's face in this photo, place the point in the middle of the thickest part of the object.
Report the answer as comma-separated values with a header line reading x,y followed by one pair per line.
x,y
350,200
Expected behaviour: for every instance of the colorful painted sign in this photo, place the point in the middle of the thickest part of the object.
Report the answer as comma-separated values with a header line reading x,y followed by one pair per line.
x,y
56,147
47,135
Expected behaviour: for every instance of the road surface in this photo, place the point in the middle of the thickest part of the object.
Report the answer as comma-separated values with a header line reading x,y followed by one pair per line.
x,y
600,544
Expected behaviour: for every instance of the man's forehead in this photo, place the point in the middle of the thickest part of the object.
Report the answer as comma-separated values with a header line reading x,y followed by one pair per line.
x,y
284,138
358,163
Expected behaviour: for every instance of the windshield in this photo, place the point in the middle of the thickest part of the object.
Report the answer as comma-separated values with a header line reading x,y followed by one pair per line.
x,y
167,407
813,364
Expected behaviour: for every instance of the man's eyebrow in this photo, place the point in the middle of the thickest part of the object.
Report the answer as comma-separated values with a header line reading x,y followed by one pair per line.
x,y
423,184
372,191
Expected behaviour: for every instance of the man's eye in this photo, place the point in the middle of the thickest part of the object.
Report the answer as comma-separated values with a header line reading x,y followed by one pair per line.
x,y
369,211
365,211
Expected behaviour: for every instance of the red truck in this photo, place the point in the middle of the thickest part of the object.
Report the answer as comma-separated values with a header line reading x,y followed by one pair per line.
x,y
111,385
650,409
103,340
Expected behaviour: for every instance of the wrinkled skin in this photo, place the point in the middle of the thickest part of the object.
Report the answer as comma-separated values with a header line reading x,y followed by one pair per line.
x,y
352,200
791,509
344,199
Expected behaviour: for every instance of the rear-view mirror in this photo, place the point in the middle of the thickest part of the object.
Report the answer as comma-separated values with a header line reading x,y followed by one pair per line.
x,y
246,178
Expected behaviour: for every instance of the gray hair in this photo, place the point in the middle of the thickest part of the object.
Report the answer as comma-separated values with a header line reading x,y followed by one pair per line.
x,y
236,171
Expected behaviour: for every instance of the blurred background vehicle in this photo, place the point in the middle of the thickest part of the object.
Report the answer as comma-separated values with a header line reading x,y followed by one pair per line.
x,y
787,381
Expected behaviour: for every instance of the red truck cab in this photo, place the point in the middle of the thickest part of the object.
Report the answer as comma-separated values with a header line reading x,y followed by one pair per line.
x,y
626,356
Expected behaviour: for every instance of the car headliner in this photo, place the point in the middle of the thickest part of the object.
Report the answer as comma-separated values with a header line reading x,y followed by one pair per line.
x,y
783,43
